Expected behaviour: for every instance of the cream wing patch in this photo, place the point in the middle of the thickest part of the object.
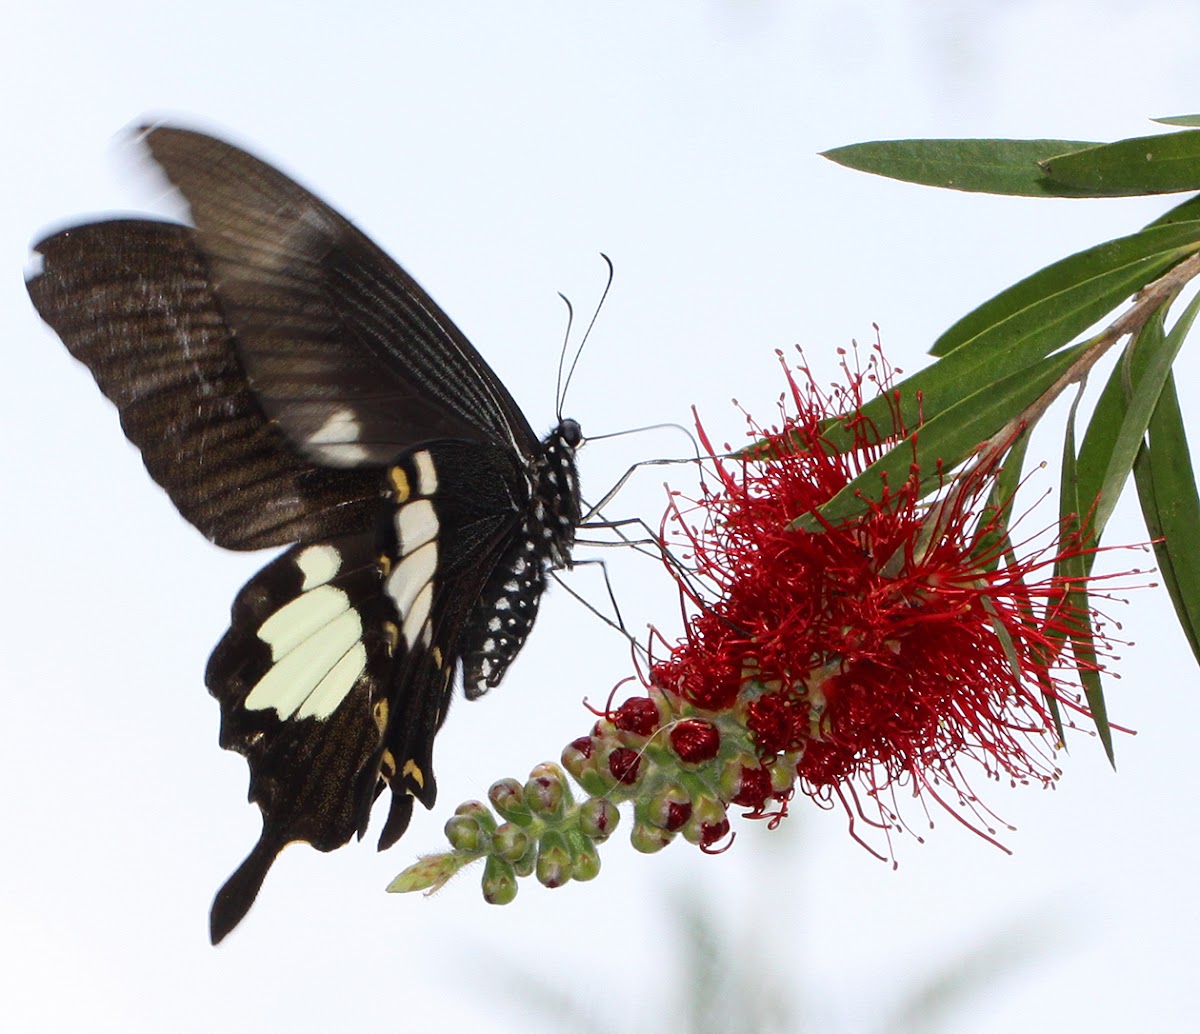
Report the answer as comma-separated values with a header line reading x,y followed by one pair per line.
x,y
336,440
319,564
316,645
410,584
416,524
427,481
410,577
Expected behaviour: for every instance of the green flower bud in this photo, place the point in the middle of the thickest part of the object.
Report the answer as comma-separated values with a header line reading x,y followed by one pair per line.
x,y
598,817
648,839
499,882
510,842
585,859
508,798
466,834
553,860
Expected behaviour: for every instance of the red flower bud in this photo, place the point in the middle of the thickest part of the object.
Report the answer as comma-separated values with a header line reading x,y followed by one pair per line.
x,y
755,788
625,765
637,715
695,741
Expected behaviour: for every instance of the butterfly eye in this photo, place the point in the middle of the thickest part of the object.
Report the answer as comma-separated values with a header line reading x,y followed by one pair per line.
x,y
570,432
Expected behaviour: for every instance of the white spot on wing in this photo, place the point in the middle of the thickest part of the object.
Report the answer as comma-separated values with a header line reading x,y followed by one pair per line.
x,y
427,481
332,689
415,619
336,440
416,524
410,577
318,564
342,426
303,617
300,672
340,454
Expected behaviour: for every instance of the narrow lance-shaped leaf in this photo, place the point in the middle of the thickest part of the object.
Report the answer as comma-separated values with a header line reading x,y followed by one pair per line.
x,y
1184,212
1095,456
1129,401
1073,293
1042,313
1011,345
998,511
1071,572
1166,485
1178,120
988,166
1159,164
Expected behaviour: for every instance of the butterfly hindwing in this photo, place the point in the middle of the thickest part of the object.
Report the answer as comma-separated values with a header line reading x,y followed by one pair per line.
x,y
337,669
299,676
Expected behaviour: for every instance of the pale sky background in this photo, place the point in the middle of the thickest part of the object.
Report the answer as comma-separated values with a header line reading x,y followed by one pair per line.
x,y
495,149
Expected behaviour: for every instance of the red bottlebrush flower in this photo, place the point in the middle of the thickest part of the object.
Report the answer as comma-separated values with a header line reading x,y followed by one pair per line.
x,y
882,648
840,657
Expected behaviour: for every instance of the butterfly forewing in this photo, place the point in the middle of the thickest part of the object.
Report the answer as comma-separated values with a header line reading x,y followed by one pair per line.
x,y
288,384
132,300
342,346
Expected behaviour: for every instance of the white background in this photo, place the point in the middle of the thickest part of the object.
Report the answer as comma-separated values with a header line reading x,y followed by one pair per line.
x,y
495,149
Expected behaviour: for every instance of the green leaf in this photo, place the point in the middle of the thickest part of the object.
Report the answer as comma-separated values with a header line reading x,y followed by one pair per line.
x,y
1083,643
1185,211
999,505
1123,413
1166,487
995,360
1072,572
1160,164
1068,296
1009,481
1178,120
1068,523
947,439
988,166
1025,323
1068,485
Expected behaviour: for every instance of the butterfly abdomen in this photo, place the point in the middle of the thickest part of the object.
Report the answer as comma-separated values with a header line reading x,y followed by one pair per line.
x,y
507,607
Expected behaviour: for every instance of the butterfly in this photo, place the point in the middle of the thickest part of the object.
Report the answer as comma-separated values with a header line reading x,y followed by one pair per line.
x,y
288,384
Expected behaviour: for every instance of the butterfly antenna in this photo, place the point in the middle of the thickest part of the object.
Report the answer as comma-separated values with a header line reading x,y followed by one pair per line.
x,y
587,333
559,391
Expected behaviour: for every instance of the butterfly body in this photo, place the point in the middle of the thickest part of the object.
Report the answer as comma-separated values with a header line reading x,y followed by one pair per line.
x,y
289,385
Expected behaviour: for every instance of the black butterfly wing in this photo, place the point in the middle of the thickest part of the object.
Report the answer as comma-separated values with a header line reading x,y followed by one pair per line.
x,y
134,302
277,370
301,676
341,346
336,672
